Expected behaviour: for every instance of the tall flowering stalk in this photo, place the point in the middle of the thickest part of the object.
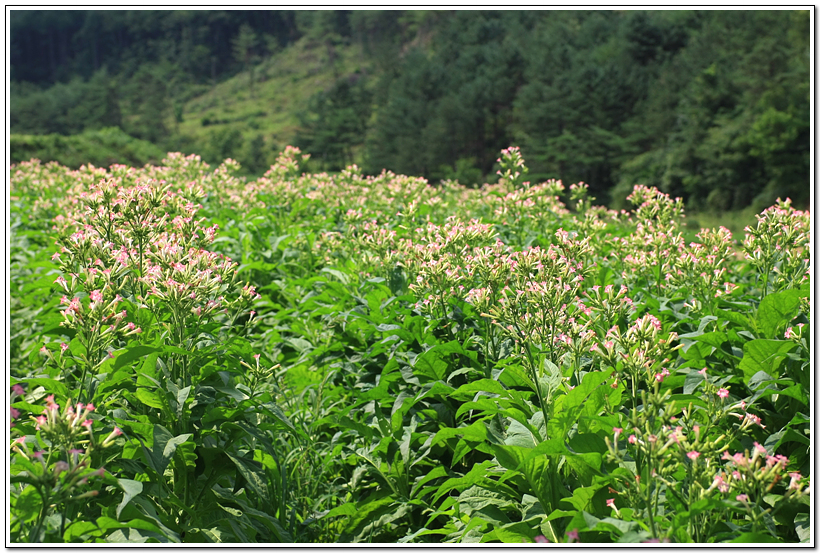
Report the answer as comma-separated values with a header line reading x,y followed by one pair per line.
x,y
536,304
649,253
777,246
145,244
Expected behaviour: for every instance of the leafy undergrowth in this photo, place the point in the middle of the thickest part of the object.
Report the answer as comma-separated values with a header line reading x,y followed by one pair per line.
x,y
338,358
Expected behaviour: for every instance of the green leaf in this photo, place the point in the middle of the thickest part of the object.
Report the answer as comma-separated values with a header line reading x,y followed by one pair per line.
x,y
149,398
165,445
777,310
277,413
764,355
582,498
802,525
128,535
182,395
78,529
477,474
254,474
580,400
739,319
755,537
131,354
343,278
51,386
365,511
484,386
131,488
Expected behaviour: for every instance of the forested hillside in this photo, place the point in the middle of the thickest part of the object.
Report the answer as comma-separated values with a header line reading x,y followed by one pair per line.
x,y
709,105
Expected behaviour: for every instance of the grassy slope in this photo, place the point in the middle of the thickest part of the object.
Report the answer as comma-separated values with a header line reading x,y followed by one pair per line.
x,y
284,84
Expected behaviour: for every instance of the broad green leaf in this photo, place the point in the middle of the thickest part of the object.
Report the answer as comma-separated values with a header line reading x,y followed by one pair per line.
x,y
343,278
149,398
51,386
77,529
568,408
254,475
365,510
581,499
484,386
131,488
278,414
165,445
477,474
437,472
131,354
802,526
739,319
755,537
776,311
764,355
182,395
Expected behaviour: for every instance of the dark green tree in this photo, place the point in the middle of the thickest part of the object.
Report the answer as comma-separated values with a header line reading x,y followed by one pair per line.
x,y
335,123
148,105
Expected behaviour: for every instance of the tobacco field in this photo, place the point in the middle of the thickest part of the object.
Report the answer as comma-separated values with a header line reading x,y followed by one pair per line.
x,y
340,358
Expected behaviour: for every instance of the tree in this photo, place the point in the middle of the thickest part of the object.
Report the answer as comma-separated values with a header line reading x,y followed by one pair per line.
x,y
335,123
244,45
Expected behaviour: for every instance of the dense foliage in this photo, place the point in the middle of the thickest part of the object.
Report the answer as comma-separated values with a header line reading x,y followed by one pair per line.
x,y
712,106
341,358
101,147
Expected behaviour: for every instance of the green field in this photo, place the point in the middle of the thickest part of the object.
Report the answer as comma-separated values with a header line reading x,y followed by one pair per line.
x,y
339,358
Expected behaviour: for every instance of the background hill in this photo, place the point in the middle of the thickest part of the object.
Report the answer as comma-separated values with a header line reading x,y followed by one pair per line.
x,y
712,106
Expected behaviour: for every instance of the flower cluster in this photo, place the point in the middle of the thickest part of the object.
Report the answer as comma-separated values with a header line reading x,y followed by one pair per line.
x,y
512,167
60,472
777,246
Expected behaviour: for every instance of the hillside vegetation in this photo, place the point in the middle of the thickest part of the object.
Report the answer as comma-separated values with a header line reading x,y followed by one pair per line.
x,y
102,147
712,106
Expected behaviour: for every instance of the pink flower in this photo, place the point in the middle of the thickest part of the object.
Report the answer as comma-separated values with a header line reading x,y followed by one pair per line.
x,y
610,503
617,432
87,423
743,498
63,347
693,455
541,539
755,420
17,389
14,412
721,484
723,393
632,439
95,295
572,536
